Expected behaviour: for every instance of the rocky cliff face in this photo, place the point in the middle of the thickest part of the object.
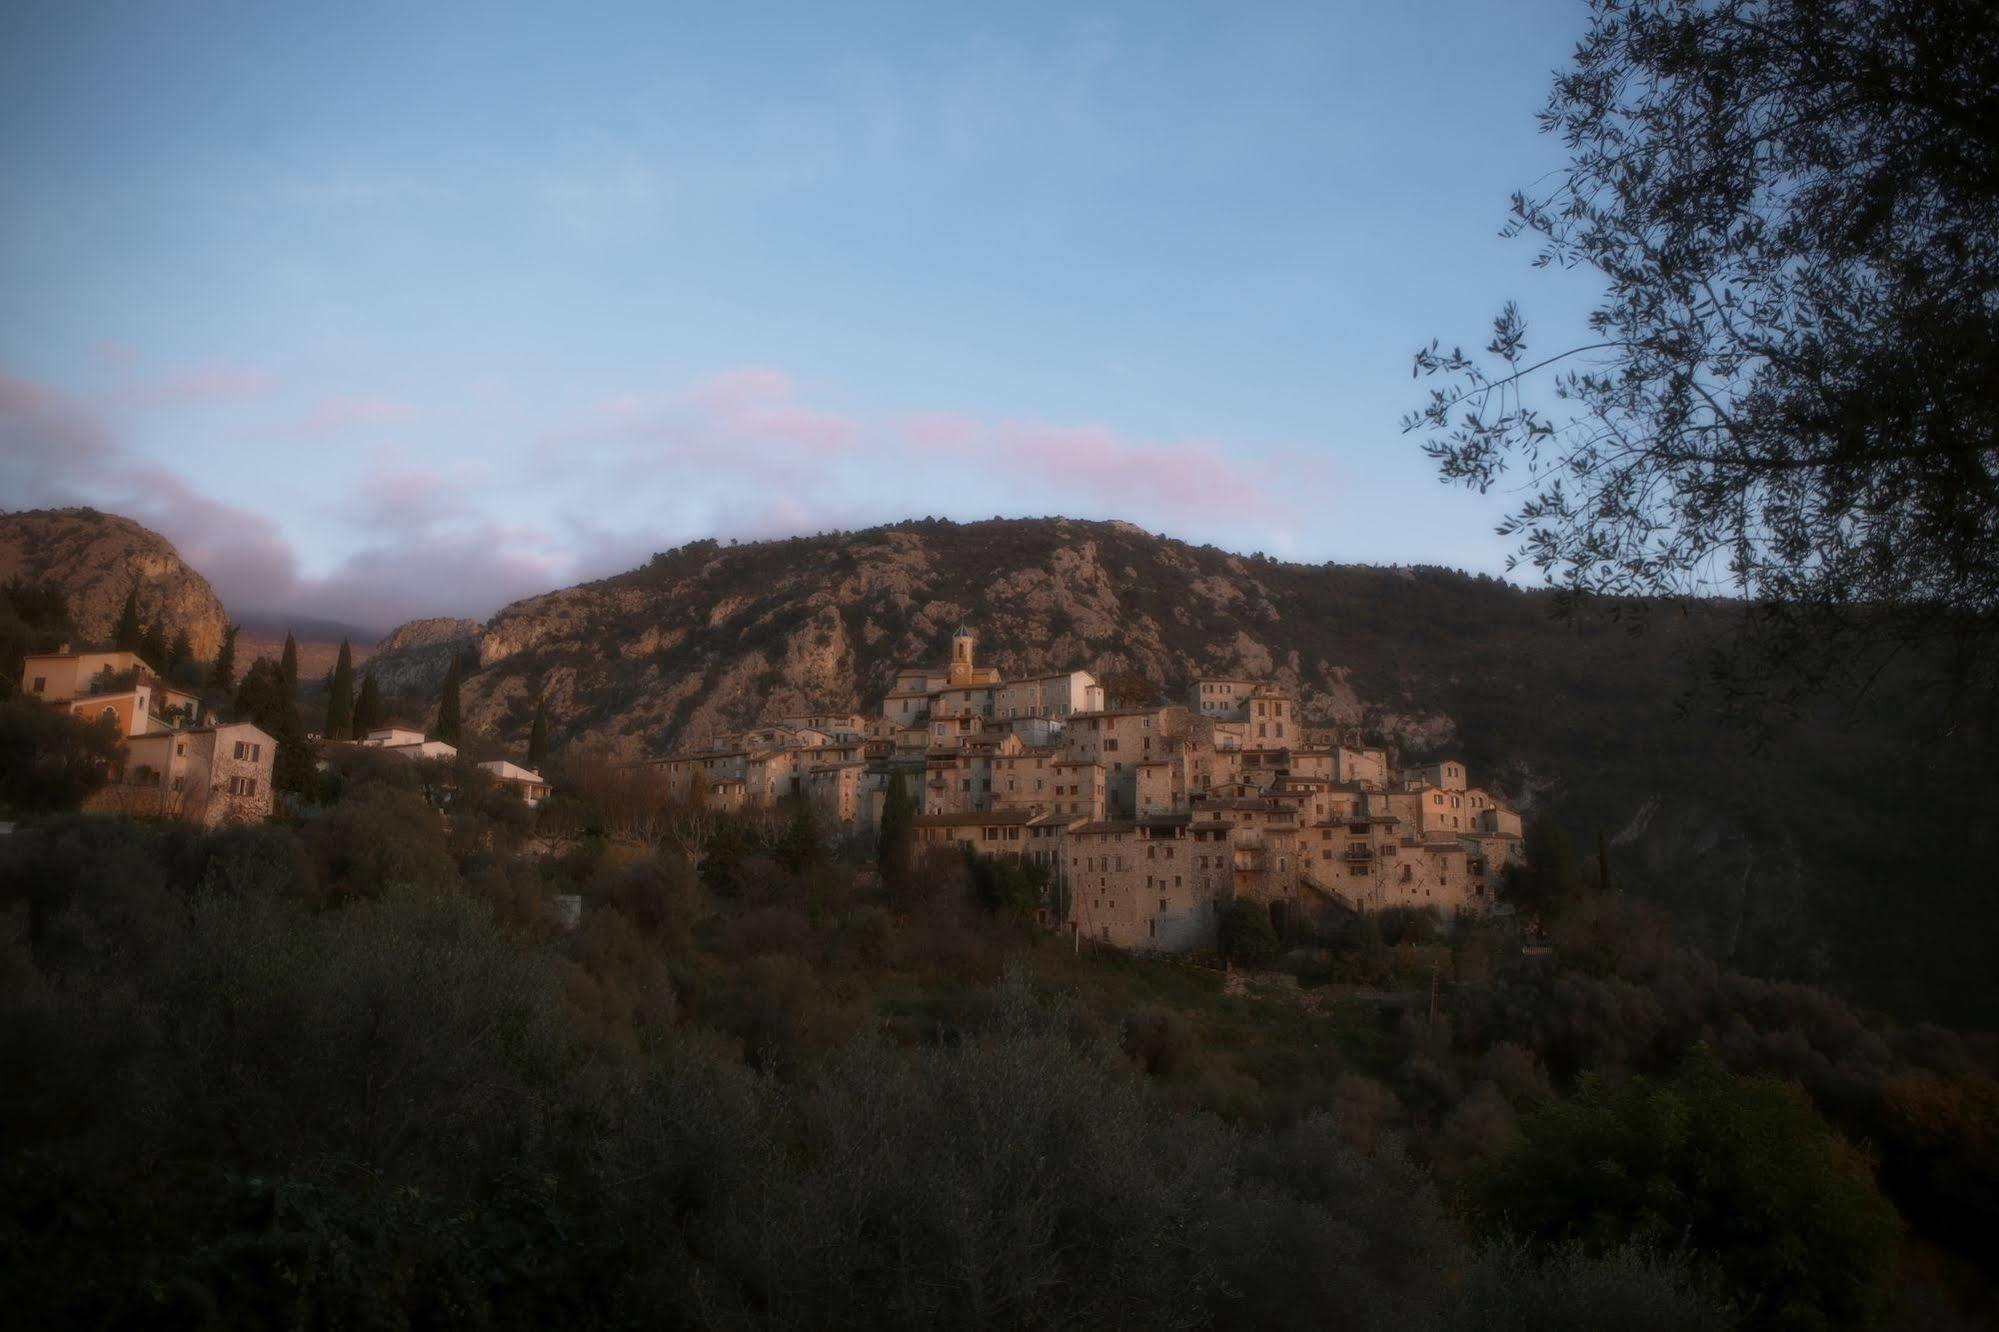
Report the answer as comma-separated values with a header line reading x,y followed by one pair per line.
x,y
95,558
708,638
414,657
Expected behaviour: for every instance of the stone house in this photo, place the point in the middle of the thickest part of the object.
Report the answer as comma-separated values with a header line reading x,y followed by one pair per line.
x,y
207,775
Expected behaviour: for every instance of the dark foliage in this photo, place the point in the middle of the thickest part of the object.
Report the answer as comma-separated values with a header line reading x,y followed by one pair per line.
x,y
1738,1170
265,699
448,727
222,676
50,760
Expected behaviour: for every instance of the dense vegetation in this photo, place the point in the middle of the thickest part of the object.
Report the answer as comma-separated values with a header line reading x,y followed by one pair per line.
x,y
354,1070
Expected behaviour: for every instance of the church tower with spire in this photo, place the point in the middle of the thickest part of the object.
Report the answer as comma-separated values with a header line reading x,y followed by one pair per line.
x,y
963,671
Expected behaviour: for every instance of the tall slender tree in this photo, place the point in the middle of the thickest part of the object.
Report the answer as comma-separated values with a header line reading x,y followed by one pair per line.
x,y
222,677
895,847
538,734
128,634
448,728
367,706
288,663
179,652
340,696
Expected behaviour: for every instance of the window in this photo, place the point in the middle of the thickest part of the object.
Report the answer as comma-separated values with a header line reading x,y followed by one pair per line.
x,y
41,682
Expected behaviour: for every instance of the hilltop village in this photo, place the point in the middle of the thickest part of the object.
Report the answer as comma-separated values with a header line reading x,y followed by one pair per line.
x,y
1146,820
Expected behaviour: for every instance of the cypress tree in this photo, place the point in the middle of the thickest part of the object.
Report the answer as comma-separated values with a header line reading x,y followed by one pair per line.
x,y
798,848
128,635
340,696
222,677
538,734
153,646
179,652
447,728
288,664
895,847
368,706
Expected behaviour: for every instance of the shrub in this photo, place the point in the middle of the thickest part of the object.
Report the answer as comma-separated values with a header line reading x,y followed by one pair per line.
x,y
1738,1170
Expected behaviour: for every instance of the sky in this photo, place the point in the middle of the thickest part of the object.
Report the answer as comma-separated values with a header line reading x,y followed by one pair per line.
x,y
381,311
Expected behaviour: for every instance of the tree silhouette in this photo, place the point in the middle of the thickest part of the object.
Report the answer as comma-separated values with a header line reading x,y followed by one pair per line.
x,y
340,696
448,726
1785,393
128,636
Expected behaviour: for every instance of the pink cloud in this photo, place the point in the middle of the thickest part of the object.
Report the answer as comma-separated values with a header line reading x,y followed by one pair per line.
x,y
337,413
1188,481
214,383
741,420
759,405
941,433
744,389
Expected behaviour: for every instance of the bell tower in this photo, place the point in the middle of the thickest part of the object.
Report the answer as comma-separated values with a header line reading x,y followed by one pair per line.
x,y
961,655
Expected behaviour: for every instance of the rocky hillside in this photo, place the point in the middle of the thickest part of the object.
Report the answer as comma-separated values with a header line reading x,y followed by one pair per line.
x,y
95,558
1781,857
414,657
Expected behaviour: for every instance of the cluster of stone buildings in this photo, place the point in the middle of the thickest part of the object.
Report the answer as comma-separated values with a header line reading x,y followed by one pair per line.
x,y
1148,820
178,763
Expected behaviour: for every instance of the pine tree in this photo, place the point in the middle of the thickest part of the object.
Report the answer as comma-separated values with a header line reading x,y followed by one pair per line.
x,y
288,664
128,635
538,734
179,652
368,706
447,728
340,696
222,678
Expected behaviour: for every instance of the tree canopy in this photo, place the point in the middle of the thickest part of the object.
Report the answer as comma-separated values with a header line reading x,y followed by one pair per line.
x,y
1786,390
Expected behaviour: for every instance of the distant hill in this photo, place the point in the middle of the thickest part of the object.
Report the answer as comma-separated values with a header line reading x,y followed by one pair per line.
x,y
96,559
1844,851
276,624
414,657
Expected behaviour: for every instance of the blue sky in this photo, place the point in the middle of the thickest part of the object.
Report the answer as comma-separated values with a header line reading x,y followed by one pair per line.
x,y
385,310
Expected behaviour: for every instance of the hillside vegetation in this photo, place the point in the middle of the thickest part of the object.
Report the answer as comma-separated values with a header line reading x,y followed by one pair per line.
x,y
352,1072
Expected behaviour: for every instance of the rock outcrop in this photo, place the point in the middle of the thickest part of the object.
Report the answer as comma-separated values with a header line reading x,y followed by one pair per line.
x,y
97,559
414,657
